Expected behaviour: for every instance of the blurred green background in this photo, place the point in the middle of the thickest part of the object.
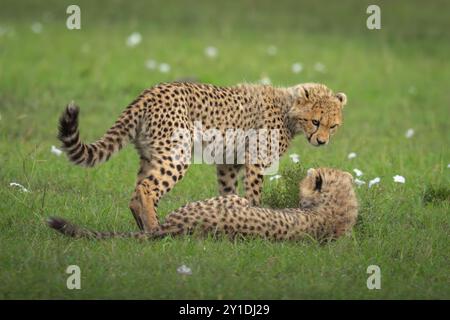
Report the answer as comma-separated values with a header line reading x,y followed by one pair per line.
x,y
396,79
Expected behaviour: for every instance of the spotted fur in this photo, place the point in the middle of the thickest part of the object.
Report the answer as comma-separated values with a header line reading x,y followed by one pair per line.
x,y
151,120
328,209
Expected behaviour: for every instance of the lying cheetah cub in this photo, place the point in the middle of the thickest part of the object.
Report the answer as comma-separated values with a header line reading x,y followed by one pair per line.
x,y
328,209
153,119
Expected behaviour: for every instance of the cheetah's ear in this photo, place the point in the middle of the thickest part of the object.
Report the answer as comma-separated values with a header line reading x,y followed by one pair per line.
x,y
350,176
342,98
302,91
311,172
318,181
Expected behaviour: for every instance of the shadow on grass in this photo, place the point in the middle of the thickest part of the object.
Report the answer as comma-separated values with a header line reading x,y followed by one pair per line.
x,y
435,194
284,192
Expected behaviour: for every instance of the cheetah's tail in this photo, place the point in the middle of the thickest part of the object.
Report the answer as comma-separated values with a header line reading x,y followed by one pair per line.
x,y
114,139
69,229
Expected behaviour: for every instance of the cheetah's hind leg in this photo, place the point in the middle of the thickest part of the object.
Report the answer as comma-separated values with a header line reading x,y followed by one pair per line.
x,y
157,177
143,209
135,207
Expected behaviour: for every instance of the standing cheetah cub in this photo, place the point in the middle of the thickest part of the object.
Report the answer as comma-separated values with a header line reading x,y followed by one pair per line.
x,y
328,210
152,121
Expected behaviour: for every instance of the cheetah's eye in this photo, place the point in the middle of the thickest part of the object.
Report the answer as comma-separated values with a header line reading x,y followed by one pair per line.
x,y
333,126
316,122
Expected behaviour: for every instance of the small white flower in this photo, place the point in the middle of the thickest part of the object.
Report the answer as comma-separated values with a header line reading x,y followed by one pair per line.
x,y
275,177
184,270
358,172
134,39
297,67
21,187
409,133
399,179
164,68
36,27
359,182
211,52
374,181
265,80
272,50
448,166
351,155
319,67
295,158
56,151
151,64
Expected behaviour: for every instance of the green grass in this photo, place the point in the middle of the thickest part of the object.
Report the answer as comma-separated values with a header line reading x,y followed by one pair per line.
x,y
395,78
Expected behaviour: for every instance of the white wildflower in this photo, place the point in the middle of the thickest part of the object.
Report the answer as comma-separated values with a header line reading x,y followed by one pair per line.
x,y
184,270
272,50
21,187
36,27
56,151
358,172
134,39
275,177
151,64
409,133
297,67
359,182
448,166
211,52
399,179
319,67
164,67
295,157
374,181
351,155
265,80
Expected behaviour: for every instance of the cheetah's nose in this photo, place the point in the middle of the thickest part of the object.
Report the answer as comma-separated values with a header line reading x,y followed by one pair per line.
x,y
320,142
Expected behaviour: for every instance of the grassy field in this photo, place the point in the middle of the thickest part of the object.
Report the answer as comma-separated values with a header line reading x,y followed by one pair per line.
x,y
395,78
